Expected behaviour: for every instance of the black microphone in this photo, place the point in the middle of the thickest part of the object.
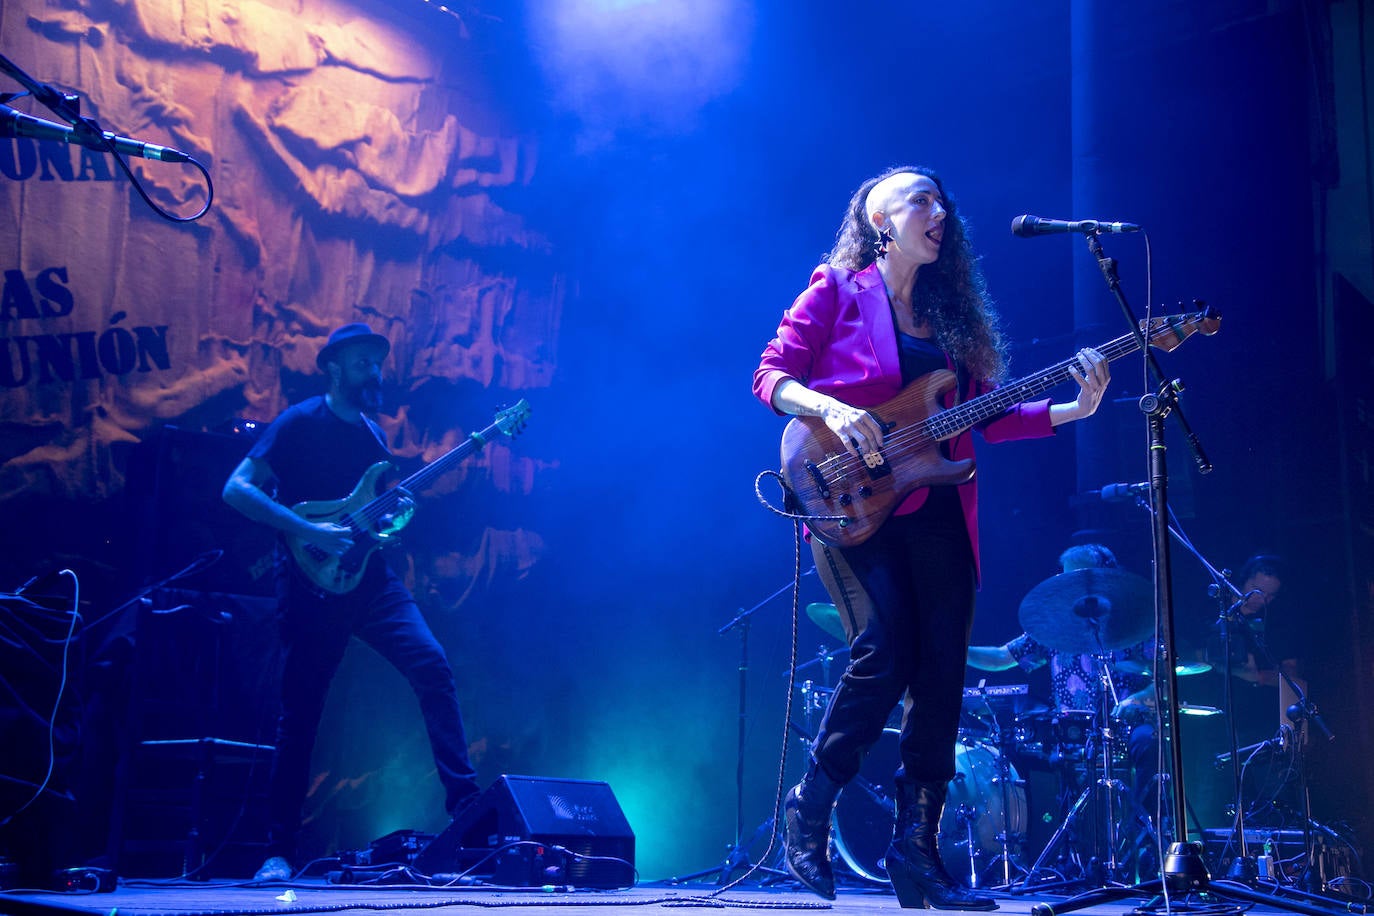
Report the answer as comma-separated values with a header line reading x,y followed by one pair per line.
x,y
1307,711
18,124
1119,492
1027,226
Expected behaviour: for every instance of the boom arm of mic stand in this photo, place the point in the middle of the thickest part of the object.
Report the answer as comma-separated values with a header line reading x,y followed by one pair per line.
x,y
1108,268
744,615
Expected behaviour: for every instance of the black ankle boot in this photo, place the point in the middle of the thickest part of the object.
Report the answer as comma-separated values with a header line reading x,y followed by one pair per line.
x,y
806,830
913,860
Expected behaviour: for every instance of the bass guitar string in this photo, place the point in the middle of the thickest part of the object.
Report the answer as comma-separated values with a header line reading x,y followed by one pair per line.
x,y
955,420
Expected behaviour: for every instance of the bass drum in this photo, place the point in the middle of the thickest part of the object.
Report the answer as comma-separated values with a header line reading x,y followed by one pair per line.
x,y
866,811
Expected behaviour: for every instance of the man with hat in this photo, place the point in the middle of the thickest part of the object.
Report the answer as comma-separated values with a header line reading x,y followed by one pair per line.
x,y
318,450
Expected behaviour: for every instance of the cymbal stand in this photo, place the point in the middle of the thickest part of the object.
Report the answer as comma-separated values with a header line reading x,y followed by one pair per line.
x,y
1064,829
1098,783
1110,786
1004,740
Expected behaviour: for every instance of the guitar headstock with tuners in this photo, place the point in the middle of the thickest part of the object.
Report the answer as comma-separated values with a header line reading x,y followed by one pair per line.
x,y
511,420
1168,331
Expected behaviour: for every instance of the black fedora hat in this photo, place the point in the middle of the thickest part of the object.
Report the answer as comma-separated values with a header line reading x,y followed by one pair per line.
x,y
350,333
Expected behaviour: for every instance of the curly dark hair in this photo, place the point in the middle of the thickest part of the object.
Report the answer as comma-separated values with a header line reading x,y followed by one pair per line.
x,y
950,293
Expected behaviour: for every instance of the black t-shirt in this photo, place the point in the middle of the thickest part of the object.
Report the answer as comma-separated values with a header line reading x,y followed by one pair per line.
x,y
1270,638
1254,706
317,455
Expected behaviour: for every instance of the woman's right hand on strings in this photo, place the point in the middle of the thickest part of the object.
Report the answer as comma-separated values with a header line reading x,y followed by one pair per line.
x,y
857,429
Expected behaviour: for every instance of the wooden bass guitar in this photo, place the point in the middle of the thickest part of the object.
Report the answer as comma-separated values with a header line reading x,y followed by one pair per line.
x,y
846,498
373,518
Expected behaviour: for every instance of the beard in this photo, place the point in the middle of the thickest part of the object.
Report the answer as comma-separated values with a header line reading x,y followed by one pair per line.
x,y
365,396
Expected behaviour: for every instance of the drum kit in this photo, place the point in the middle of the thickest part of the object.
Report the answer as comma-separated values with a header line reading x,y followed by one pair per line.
x,y
987,815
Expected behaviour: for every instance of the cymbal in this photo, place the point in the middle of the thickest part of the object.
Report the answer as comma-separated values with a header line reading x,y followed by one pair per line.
x,y
1139,666
827,617
1088,610
1133,666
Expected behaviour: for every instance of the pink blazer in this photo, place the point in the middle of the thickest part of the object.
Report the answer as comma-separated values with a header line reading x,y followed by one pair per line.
x,y
838,338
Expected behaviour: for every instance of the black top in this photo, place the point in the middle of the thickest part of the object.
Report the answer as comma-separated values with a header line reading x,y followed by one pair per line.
x,y
920,356
1270,638
315,454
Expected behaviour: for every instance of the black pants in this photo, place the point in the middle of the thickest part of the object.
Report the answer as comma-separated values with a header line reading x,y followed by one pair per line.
x,y
906,599
315,632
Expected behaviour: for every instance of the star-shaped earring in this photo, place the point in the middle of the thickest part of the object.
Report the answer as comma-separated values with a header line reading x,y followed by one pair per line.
x,y
884,239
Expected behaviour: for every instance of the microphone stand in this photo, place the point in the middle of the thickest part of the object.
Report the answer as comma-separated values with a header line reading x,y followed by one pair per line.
x,y
1244,869
737,856
88,133
1183,869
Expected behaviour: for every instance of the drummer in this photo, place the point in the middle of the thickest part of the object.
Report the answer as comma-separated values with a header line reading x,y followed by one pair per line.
x,y
1077,683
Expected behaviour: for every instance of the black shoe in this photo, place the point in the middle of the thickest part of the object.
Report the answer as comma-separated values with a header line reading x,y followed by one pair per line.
x,y
461,806
913,860
806,831
275,868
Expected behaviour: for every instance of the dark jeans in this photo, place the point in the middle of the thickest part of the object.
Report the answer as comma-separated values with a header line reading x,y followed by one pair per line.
x,y
906,599
315,632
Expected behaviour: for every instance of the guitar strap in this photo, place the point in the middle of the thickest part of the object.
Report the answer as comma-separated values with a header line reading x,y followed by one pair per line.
x,y
377,432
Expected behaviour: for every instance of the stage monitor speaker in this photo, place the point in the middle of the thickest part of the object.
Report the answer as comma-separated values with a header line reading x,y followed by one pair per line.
x,y
527,831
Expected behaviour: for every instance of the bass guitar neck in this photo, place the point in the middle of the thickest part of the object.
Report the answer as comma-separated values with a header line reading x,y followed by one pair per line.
x,y
844,498
370,513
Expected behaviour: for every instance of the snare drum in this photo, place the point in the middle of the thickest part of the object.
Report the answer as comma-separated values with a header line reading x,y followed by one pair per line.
x,y
1051,735
973,817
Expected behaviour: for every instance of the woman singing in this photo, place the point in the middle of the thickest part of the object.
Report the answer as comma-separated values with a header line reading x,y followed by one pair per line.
x,y
900,296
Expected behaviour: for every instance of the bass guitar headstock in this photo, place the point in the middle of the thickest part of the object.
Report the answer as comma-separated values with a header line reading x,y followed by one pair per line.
x,y
1168,331
512,420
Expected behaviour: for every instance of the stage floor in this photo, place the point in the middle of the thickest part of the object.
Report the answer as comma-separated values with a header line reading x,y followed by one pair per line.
x,y
318,896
